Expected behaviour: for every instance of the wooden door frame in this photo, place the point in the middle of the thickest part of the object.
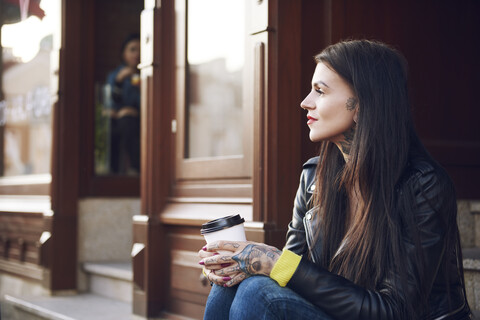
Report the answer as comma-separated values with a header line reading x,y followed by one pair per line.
x,y
150,251
61,261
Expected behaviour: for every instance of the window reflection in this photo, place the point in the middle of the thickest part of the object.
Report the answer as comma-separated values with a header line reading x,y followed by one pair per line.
x,y
215,54
121,97
117,87
28,84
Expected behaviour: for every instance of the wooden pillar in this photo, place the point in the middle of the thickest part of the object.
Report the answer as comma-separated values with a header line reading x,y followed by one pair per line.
x,y
279,153
150,250
2,119
61,260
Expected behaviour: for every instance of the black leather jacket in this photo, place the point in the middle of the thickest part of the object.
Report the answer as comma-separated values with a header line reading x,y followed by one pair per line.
x,y
341,298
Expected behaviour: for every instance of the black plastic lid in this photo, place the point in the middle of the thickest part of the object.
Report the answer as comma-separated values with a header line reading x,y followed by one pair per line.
x,y
221,223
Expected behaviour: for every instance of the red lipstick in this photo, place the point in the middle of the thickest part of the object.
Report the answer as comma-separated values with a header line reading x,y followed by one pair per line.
x,y
310,120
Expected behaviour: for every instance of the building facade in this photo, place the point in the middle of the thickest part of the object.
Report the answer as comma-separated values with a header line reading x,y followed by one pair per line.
x,y
221,133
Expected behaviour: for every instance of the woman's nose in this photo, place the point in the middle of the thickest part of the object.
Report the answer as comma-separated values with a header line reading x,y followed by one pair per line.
x,y
308,102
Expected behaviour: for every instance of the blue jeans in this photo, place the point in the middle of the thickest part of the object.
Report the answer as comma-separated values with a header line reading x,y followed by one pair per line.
x,y
259,297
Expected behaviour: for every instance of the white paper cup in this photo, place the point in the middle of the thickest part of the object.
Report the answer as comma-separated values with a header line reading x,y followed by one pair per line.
x,y
226,228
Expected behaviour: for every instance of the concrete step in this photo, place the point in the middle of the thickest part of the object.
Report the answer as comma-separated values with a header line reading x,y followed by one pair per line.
x,y
471,265
77,307
468,219
110,279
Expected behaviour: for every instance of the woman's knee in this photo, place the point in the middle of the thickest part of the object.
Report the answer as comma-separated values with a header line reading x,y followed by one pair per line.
x,y
218,303
260,297
253,294
221,296
256,285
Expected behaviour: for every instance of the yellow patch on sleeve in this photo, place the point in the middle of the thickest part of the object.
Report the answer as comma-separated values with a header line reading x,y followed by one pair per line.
x,y
285,267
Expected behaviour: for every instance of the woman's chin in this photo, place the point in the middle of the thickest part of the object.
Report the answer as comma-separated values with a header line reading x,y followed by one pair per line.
x,y
316,139
319,138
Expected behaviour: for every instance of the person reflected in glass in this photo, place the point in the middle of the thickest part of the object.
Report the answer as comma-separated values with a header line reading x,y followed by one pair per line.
x,y
124,83
374,232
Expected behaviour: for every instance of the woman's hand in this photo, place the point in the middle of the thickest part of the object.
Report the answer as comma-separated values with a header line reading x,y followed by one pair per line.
x,y
210,271
247,259
124,73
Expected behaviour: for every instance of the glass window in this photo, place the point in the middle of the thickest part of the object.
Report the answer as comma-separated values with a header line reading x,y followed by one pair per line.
x,y
30,39
215,65
117,87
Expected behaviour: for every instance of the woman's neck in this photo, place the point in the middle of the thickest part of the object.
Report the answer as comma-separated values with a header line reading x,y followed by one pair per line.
x,y
345,144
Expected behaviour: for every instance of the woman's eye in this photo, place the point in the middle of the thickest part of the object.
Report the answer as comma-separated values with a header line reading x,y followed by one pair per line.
x,y
319,91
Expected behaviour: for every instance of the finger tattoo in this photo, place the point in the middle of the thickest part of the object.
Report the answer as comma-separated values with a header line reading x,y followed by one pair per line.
x,y
233,244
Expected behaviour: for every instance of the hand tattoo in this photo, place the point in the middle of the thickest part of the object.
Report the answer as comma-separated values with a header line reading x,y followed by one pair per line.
x,y
351,103
257,259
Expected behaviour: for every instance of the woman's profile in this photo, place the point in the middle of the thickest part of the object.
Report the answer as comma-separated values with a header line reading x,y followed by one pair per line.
x,y
373,233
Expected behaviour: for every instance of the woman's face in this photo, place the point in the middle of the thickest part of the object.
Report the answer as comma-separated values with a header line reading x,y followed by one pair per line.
x,y
331,106
131,53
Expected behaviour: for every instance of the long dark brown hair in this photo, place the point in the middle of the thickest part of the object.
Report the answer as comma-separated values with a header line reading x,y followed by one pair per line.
x,y
370,245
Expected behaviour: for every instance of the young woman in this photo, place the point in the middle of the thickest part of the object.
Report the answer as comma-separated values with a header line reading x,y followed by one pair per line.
x,y
374,232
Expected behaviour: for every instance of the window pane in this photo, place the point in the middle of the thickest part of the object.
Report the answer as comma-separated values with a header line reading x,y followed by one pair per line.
x,y
215,58
30,42
117,87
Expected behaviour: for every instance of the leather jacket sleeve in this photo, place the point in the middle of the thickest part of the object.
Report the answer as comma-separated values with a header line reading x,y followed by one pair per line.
x,y
341,298
296,237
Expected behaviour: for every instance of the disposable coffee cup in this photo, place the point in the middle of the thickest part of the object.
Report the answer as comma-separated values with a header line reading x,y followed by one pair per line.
x,y
226,228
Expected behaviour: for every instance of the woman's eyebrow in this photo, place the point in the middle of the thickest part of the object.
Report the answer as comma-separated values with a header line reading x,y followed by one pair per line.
x,y
321,83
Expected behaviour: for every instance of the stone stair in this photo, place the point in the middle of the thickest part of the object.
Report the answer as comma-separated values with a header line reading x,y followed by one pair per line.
x,y
471,264
104,286
469,225
77,307
109,297
110,279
